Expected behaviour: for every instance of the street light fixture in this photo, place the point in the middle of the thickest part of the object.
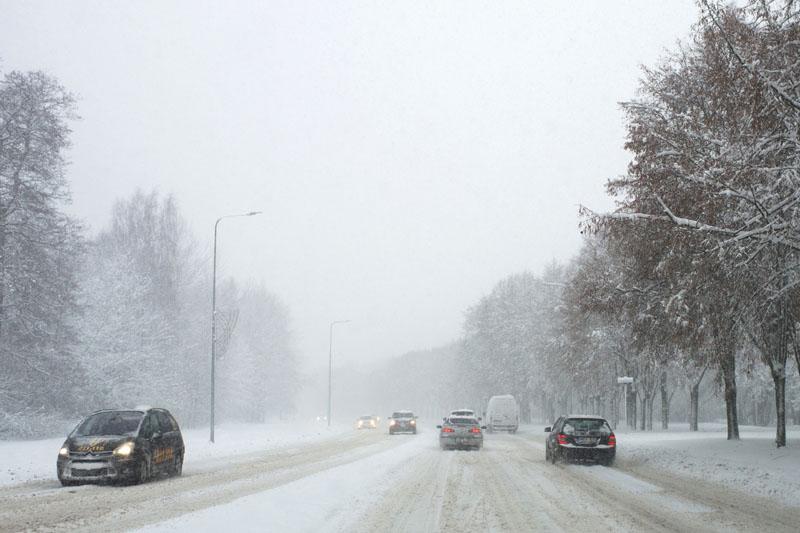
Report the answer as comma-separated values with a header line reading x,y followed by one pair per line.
x,y
214,313
330,360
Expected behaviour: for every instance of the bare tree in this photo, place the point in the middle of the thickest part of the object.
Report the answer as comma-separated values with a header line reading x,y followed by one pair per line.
x,y
40,247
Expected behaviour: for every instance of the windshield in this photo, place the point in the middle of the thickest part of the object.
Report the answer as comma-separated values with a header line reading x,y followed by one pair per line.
x,y
403,414
109,423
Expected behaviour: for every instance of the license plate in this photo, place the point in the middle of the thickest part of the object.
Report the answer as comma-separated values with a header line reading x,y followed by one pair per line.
x,y
585,440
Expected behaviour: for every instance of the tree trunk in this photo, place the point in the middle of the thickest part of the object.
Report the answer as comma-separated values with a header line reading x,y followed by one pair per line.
x,y
643,422
665,400
694,404
780,409
728,367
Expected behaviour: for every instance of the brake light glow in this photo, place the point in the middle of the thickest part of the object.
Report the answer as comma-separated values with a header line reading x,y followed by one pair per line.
x,y
612,440
474,430
447,430
562,439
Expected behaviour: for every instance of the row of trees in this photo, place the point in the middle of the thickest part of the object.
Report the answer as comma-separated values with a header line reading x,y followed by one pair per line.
x,y
696,272
121,319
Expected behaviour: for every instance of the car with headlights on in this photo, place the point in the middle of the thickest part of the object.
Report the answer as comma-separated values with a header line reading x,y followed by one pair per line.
x,y
122,445
580,438
402,422
366,422
461,432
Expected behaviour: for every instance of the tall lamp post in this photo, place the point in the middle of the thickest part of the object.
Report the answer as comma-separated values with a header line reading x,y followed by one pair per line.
x,y
214,313
330,361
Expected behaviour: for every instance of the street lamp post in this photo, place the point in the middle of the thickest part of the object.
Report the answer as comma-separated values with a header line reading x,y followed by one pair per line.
x,y
214,313
330,361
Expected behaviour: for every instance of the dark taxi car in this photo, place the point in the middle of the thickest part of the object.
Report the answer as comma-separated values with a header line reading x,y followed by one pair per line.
x,y
402,422
461,432
580,438
121,445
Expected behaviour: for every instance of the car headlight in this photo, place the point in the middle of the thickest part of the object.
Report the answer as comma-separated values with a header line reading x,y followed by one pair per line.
x,y
413,422
393,422
124,449
64,451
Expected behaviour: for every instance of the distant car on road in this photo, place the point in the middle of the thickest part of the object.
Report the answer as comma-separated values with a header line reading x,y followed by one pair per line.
x,y
402,422
121,445
580,438
366,422
461,432
502,414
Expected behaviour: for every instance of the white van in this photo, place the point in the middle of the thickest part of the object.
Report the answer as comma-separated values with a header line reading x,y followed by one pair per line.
x,y
502,414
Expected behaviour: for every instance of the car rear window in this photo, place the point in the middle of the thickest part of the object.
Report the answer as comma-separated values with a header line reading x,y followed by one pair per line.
x,y
586,424
462,421
403,414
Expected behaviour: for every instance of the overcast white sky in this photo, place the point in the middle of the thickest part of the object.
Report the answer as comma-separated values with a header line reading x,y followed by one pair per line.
x,y
407,155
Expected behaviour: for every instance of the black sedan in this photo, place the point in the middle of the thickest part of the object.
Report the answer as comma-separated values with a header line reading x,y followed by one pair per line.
x,y
121,445
580,438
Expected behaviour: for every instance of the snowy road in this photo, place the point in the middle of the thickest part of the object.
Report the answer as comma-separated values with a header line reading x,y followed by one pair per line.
x,y
369,481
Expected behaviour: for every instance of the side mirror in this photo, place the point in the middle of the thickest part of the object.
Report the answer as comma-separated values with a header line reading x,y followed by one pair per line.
x,y
548,429
480,418
439,426
483,427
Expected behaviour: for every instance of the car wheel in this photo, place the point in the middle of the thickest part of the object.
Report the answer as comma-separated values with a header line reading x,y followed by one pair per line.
x,y
608,461
177,465
140,471
546,454
553,457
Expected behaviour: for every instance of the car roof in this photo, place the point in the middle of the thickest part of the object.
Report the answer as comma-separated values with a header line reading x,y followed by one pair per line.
x,y
595,417
117,411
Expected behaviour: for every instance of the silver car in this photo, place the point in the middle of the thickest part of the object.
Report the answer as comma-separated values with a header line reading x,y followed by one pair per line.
x,y
461,432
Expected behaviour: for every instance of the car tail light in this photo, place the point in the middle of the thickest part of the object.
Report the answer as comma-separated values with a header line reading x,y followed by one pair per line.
x,y
612,440
447,430
474,430
562,439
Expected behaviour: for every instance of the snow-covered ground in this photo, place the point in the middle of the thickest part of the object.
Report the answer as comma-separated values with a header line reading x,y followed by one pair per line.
x,y
320,501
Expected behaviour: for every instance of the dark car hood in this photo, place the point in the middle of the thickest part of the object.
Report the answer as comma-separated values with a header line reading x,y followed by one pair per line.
x,y
105,443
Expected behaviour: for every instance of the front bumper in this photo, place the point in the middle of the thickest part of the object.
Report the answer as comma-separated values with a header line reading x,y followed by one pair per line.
x,y
92,469
403,428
